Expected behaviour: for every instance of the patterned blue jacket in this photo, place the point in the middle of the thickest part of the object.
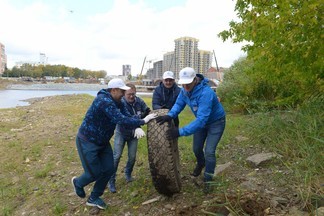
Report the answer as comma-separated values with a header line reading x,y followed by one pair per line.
x,y
136,109
203,103
101,118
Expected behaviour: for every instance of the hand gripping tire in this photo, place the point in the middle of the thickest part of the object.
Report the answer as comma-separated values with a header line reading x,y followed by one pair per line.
x,y
163,156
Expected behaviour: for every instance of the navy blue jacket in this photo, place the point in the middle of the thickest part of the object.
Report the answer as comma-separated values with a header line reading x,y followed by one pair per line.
x,y
101,118
164,97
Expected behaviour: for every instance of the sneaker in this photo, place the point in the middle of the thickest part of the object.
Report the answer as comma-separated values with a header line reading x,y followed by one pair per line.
x,y
207,188
197,170
112,187
96,203
78,190
129,178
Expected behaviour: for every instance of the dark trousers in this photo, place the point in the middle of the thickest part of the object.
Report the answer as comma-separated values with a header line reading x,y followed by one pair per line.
x,y
98,164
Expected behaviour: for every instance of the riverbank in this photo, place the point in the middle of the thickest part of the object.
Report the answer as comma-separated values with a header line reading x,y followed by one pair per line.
x,y
39,158
57,86
14,94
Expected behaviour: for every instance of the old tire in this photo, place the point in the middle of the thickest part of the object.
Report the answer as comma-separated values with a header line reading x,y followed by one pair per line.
x,y
163,156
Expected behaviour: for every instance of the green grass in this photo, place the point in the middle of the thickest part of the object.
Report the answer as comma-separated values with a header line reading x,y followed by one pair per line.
x,y
297,135
41,184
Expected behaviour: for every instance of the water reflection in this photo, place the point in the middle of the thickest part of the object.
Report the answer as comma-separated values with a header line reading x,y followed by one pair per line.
x,y
14,98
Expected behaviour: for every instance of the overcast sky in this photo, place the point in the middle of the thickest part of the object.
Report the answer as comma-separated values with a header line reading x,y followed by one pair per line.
x,y
105,34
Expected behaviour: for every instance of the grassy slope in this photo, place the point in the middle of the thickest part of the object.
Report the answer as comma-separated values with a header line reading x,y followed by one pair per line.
x,y
38,159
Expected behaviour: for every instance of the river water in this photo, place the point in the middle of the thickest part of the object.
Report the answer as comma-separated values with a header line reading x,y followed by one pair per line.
x,y
14,98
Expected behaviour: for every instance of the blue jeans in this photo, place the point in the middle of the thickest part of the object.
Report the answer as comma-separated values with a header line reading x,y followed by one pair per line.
x,y
211,133
98,164
119,144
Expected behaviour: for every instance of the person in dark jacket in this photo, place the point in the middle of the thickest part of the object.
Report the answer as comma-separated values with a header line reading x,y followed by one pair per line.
x,y
207,128
93,140
166,93
128,134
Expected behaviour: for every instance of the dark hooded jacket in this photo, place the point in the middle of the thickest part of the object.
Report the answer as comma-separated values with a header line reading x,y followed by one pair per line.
x,y
164,98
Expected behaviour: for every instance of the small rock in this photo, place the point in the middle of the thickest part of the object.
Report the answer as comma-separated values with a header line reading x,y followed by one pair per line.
x,y
168,206
94,211
320,211
241,138
134,193
260,159
222,168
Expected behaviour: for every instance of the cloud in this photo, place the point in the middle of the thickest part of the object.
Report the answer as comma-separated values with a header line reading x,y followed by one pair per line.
x,y
122,34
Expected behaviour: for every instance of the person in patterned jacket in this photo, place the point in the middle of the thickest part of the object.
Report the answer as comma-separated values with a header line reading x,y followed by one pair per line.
x,y
128,134
93,140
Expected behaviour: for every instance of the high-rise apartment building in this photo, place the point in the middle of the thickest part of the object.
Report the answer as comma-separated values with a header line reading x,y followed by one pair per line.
x,y
186,53
169,62
157,69
126,70
205,60
3,59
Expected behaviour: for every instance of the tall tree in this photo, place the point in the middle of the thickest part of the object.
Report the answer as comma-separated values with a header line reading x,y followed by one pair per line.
x,y
284,40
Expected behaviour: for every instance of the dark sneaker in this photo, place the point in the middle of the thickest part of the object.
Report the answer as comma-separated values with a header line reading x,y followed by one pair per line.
x,y
207,188
197,170
96,203
129,178
78,190
112,187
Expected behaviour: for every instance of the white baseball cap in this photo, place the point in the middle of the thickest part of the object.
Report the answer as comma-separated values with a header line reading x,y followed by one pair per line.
x,y
186,75
168,75
117,83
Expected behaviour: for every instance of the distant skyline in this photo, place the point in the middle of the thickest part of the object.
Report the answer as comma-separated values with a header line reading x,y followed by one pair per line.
x,y
105,35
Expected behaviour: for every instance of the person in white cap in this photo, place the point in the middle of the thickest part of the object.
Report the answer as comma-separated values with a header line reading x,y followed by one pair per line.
x,y
128,134
93,140
166,93
207,128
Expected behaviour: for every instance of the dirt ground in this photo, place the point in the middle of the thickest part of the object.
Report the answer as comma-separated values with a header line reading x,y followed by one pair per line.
x,y
242,190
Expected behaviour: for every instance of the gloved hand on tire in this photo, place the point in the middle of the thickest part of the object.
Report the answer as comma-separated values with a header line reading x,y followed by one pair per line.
x,y
172,133
149,117
162,119
139,133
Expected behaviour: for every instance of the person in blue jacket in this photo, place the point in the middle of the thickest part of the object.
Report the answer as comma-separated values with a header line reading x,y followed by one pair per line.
x,y
93,140
128,134
208,126
166,93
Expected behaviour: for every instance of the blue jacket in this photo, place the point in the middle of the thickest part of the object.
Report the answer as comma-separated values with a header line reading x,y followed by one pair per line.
x,y
101,118
164,97
204,104
136,109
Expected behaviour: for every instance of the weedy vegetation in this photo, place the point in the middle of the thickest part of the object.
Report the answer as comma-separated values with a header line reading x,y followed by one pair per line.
x,y
38,159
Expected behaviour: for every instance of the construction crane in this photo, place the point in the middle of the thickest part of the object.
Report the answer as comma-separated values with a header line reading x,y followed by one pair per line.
x,y
216,61
140,76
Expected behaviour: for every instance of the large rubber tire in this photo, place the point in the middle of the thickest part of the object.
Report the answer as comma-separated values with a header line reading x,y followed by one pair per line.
x,y
163,155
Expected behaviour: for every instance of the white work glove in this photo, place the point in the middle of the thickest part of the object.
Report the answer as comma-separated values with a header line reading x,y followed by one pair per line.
x,y
149,117
139,133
